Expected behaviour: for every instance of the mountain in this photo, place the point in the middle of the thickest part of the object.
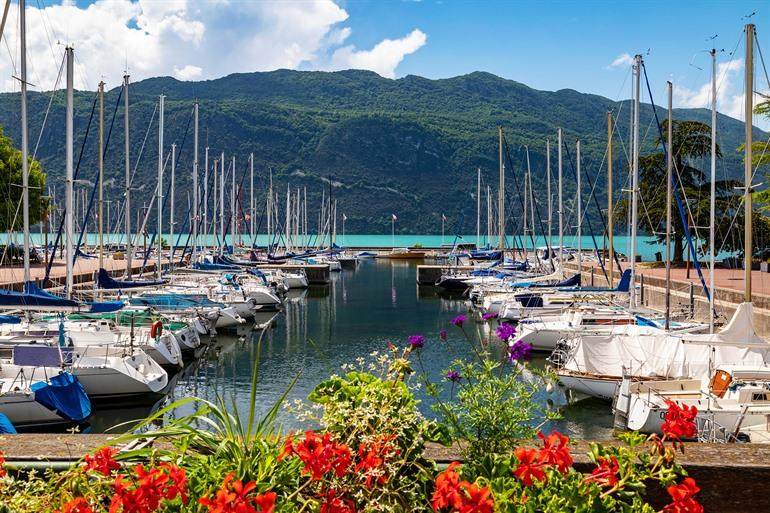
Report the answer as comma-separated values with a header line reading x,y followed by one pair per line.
x,y
409,146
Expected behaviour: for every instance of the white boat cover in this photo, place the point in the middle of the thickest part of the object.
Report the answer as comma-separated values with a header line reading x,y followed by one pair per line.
x,y
652,352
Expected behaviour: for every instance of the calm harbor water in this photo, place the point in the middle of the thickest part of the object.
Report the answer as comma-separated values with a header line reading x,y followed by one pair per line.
x,y
324,327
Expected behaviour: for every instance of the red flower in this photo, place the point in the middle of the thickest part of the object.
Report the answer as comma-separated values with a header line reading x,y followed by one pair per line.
x,y
334,504
102,461
76,505
321,455
447,493
288,448
233,497
177,482
165,482
372,457
680,421
555,451
682,495
605,473
529,466
2,465
476,499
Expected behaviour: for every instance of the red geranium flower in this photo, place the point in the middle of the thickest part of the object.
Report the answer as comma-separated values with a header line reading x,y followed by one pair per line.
x,y
605,473
476,499
372,457
447,493
288,448
102,461
555,451
680,421
682,495
233,497
529,466
321,455
334,504
76,505
165,482
2,465
266,502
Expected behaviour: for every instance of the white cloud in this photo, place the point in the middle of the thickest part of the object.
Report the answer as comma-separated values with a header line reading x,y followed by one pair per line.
x,y
383,58
622,60
730,94
190,39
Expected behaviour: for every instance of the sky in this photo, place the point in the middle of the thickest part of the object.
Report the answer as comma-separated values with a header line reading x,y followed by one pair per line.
x,y
583,45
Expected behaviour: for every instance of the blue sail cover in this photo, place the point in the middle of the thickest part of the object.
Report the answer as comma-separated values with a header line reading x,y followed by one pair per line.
x,y
105,281
208,266
64,395
106,306
6,426
34,297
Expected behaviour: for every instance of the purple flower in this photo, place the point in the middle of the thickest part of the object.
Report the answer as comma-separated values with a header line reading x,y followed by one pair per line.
x,y
520,351
459,320
505,331
442,335
489,315
416,341
453,375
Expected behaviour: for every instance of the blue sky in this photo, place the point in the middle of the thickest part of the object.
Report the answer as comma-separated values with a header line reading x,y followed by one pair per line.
x,y
545,44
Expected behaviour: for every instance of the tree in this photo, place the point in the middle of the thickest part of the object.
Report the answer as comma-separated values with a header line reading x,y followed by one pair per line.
x,y
691,141
11,191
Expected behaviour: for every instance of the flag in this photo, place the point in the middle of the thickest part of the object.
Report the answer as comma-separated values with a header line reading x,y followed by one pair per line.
x,y
344,217
443,217
394,217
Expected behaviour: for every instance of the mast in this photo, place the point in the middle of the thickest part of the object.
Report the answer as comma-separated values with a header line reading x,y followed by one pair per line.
x,y
611,251
214,210
127,192
69,152
252,217
712,206
222,203
501,194
669,176
171,208
749,80
478,207
288,218
160,183
233,216
101,175
489,215
526,210
548,190
206,195
635,177
24,135
561,205
579,213
195,187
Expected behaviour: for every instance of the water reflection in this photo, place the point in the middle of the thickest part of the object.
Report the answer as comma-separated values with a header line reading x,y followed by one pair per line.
x,y
320,329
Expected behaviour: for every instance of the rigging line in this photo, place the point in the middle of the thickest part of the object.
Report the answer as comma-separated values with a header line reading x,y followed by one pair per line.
x,y
48,109
682,215
762,60
43,16
74,176
509,205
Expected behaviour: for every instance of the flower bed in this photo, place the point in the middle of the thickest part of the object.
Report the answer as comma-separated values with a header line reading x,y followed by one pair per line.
x,y
366,454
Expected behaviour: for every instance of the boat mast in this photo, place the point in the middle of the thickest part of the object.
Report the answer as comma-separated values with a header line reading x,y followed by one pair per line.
x,y
712,207
489,215
635,177
206,196
669,192
195,186
548,191
222,203
749,81
160,183
127,201
525,225
478,207
233,215
24,136
579,214
611,252
69,152
532,207
101,175
561,205
171,209
251,198
501,195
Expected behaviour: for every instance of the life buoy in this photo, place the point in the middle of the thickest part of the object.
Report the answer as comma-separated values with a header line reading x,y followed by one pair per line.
x,y
156,330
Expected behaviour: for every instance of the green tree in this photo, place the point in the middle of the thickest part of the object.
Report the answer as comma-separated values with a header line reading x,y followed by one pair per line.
x,y
11,191
691,141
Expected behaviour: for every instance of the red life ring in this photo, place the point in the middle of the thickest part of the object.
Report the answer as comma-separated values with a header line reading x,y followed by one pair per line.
x,y
156,330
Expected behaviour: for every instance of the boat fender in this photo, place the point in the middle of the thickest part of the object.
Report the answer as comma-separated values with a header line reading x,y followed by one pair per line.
x,y
720,383
156,330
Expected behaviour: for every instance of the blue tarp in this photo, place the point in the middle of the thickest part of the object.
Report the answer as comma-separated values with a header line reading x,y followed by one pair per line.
x,y
34,297
6,426
64,395
10,319
106,306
